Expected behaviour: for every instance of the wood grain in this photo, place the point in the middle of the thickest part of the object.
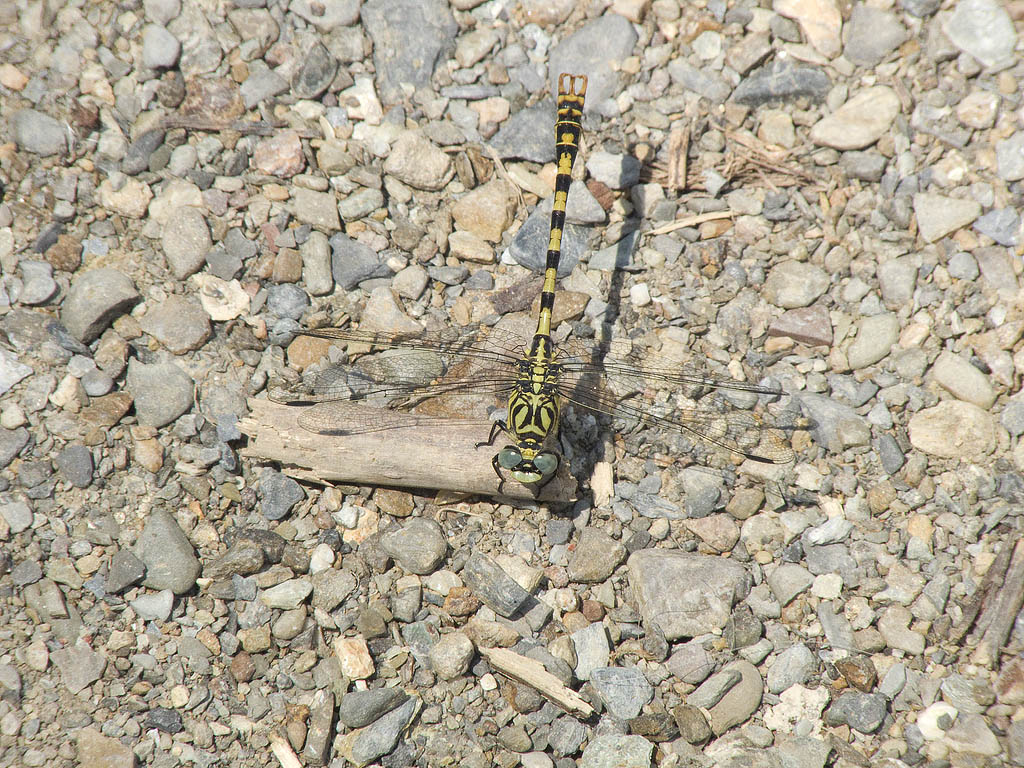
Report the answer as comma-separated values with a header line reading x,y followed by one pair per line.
x,y
405,450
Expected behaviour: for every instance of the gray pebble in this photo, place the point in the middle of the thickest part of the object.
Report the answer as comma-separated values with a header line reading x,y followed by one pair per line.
x,y
876,336
162,392
450,656
793,666
866,166
316,264
353,262
1002,225
261,84
11,372
75,465
523,135
288,595
154,606
408,38
793,284
330,587
165,550
699,80
26,572
592,649
287,301
984,30
782,81
161,11
243,557
38,283
160,49
126,570
890,454
238,245
864,712
79,665
278,494
358,709
596,556
360,204
668,584
96,383
223,264
963,266
492,585
380,737
178,323
691,663
1010,157
590,49
95,300
871,34
315,73
38,133
714,688
615,171
419,546
12,441
186,241
789,580
897,279
624,690
567,735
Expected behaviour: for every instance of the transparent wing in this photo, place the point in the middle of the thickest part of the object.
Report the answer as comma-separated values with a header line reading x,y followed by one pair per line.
x,y
594,378
475,365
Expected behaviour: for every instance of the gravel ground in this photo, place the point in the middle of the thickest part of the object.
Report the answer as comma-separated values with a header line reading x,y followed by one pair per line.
x,y
826,198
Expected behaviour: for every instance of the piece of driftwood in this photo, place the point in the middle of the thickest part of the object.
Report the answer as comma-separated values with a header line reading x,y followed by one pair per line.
x,y
390,448
1001,614
532,673
981,600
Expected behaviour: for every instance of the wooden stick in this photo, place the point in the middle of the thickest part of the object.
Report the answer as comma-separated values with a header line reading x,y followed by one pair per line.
x,y
406,450
1004,609
532,673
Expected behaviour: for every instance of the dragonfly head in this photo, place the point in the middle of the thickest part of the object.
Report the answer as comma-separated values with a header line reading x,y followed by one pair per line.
x,y
528,466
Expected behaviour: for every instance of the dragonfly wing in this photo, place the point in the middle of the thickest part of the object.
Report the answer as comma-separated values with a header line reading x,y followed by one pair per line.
x,y
712,421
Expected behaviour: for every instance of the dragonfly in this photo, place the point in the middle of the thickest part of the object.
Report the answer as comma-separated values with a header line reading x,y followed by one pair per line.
x,y
534,376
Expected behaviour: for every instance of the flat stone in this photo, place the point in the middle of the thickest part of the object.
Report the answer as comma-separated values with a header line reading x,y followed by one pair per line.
x,y
162,392
418,162
876,336
819,20
684,594
983,29
319,209
596,556
792,284
871,34
95,300
963,380
624,690
937,215
860,122
170,560
79,665
954,429
37,132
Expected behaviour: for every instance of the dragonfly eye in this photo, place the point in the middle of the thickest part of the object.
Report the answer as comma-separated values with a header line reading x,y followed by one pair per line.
x,y
509,457
546,462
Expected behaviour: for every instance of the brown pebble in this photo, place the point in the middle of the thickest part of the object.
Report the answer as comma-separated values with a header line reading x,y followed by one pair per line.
x,y
859,672
592,610
242,667
66,254
461,602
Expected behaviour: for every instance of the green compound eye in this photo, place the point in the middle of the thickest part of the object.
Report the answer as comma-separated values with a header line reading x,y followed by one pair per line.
x,y
546,463
509,457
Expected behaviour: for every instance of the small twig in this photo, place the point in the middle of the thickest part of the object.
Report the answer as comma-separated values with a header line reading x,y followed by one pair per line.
x,y
678,147
690,221
1003,610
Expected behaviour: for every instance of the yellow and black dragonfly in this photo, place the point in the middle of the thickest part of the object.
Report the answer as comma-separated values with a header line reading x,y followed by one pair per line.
x,y
535,377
